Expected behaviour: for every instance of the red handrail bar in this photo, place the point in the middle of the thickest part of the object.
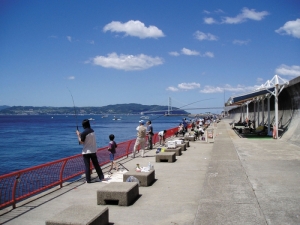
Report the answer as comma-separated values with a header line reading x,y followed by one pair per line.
x,y
10,193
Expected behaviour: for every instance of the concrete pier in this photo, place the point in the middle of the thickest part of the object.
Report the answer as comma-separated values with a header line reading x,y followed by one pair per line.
x,y
231,181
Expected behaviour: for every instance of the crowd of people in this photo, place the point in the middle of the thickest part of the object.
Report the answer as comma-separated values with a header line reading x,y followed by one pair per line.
x,y
143,141
88,139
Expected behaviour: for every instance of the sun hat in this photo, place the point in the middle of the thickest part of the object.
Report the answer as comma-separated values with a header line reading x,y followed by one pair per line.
x,y
141,122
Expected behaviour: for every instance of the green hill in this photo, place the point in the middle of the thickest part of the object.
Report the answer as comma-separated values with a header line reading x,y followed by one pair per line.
x,y
131,108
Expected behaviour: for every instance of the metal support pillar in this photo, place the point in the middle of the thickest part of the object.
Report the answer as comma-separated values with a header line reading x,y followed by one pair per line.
x,y
276,108
254,109
263,111
258,113
269,119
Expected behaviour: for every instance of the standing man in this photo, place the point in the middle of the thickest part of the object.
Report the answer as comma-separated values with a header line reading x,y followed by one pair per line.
x,y
185,124
140,140
88,139
150,134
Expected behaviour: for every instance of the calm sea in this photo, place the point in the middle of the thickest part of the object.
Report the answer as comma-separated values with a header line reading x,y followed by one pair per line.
x,y
32,140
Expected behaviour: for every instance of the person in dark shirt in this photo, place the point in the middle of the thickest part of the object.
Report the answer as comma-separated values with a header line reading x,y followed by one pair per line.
x,y
150,134
112,145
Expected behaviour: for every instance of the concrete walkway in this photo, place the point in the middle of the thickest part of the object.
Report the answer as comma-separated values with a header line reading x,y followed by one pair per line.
x,y
232,181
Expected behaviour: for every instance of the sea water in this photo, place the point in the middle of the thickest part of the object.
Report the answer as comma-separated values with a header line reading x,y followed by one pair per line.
x,y
31,140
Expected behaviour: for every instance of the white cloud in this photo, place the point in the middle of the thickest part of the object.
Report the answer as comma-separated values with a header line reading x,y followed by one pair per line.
x,y
91,42
202,36
241,42
239,88
210,89
188,86
69,38
219,11
184,87
293,71
246,14
290,28
208,54
71,78
126,62
209,20
174,53
172,89
134,28
186,51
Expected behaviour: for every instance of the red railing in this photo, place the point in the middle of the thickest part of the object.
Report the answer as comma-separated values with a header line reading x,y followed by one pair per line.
x,y
17,186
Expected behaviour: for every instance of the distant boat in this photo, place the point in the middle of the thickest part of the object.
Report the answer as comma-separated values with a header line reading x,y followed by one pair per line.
x,y
144,117
104,116
91,119
116,118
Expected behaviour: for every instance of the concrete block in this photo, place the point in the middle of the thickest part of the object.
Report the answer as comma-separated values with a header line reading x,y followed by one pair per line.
x,y
183,146
81,215
187,143
165,156
145,178
124,193
177,150
190,138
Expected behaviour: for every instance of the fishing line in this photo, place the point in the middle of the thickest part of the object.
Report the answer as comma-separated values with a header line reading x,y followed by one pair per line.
x,y
184,106
74,112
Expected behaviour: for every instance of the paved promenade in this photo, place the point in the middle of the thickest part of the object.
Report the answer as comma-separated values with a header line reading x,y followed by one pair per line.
x,y
232,181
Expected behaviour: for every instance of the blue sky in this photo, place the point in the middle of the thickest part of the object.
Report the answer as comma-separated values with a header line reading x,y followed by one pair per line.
x,y
112,52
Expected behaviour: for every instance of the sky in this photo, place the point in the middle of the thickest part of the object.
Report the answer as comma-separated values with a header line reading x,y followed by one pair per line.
x,y
194,54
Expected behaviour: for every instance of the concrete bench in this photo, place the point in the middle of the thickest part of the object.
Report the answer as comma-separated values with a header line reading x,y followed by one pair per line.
x,y
190,138
185,142
165,156
145,178
124,193
183,146
177,150
81,214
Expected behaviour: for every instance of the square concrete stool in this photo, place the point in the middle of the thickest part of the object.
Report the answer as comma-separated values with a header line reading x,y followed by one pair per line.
x,y
145,178
177,150
81,214
183,146
185,142
123,192
190,138
165,156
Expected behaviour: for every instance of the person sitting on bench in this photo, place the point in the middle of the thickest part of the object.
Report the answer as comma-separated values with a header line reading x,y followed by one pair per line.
x,y
180,130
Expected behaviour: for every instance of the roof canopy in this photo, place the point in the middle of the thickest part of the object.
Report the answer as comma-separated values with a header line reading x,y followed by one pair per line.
x,y
262,91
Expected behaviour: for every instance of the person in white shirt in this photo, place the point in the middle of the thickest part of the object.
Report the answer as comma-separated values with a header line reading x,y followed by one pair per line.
x,y
88,139
140,140
162,137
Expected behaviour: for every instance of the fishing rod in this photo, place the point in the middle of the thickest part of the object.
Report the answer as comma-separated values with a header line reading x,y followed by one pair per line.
x,y
74,112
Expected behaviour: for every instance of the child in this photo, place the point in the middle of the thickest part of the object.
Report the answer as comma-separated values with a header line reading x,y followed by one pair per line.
x,y
112,145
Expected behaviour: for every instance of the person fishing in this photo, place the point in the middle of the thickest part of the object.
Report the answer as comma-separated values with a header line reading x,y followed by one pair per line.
x,y
88,139
112,146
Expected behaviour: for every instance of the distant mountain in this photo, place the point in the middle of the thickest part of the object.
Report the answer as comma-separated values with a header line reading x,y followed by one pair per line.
x,y
131,108
4,107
